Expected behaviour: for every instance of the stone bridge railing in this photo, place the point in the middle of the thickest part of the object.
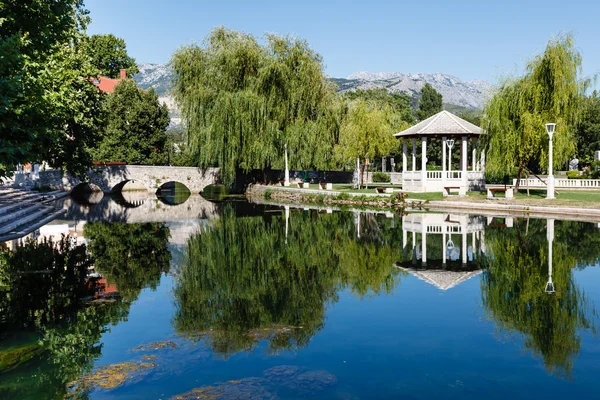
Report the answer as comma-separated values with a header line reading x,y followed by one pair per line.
x,y
112,179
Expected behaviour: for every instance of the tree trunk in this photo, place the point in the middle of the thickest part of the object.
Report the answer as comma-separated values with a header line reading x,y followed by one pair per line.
x,y
519,178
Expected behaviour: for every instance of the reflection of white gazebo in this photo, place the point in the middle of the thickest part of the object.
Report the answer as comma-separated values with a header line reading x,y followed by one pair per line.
x,y
438,271
451,129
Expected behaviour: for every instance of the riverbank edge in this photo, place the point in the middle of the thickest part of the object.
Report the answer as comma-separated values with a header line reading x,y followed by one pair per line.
x,y
384,200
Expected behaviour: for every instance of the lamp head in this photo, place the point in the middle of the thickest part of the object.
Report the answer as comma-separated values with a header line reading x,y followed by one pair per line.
x,y
450,143
550,127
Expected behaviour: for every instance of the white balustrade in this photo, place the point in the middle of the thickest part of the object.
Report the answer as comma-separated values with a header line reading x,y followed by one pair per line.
x,y
434,174
560,183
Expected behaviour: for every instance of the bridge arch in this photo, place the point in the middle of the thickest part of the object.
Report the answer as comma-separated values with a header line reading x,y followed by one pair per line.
x,y
173,193
87,193
128,185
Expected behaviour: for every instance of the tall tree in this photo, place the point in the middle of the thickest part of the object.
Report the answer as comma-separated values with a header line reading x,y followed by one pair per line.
x,y
587,133
243,102
50,112
398,102
109,55
550,91
136,127
366,132
430,102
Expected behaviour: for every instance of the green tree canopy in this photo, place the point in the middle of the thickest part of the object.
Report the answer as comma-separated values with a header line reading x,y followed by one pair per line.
x,y
398,102
136,127
430,102
242,102
131,256
50,112
587,133
513,294
367,131
550,91
243,280
109,55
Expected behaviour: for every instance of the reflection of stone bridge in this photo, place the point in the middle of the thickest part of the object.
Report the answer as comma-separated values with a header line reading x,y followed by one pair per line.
x,y
138,207
114,178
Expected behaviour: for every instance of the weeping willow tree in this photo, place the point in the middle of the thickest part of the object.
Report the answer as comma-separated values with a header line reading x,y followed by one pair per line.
x,y
242,102
367,132
243,280
550,91
512,290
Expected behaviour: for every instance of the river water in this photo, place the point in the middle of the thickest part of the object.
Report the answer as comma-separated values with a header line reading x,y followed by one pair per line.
x,y
228,300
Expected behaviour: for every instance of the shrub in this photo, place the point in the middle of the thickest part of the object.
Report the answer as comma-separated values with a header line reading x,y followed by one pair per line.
x,y
379,177
595,170
574,175
342,196
499,178
268,194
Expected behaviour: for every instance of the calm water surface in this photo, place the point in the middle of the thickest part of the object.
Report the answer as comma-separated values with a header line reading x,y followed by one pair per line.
x,y
234,300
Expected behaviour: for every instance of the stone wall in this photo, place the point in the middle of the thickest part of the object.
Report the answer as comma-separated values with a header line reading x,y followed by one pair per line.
x,y
113,178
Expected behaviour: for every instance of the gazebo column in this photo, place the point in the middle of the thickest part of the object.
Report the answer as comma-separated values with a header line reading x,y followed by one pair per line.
x,y
464,246
474,159
444,247
424,163
482,161
404,161
424,246
414,155
444,160
463,160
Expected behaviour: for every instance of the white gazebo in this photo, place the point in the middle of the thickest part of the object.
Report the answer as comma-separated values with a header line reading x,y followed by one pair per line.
x,y
450,129
455,263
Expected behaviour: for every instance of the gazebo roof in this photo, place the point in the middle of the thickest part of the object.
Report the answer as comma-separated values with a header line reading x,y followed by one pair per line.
x,y
443,123
442,279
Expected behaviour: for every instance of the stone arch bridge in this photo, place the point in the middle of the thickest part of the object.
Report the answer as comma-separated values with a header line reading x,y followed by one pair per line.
x,y
112,179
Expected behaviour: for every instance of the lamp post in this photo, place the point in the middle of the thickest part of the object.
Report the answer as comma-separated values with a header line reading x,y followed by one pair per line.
x,y
286,177
450,143
550,236
550,129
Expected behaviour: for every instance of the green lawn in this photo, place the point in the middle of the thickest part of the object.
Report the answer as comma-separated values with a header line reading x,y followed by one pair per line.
x,y
563,197
560,194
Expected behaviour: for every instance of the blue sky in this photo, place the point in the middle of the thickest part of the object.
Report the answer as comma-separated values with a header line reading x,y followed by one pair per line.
x,y
476,39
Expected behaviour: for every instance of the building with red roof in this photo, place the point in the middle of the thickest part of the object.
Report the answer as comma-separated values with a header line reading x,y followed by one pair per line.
x,y
107,85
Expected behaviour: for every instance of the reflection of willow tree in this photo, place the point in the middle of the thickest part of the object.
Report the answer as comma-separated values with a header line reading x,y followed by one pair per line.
x,y
44,326
241,282
131,256
513,293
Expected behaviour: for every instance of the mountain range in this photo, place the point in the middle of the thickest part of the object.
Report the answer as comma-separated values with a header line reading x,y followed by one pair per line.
x,y
460,94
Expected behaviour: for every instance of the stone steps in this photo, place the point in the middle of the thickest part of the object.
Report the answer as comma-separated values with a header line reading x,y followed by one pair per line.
x,y
19,212
19,221
23,211
19,233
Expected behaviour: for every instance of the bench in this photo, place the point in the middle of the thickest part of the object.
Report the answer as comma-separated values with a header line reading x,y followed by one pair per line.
x,y
461,191
509,192
383,190
302,185
326,185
